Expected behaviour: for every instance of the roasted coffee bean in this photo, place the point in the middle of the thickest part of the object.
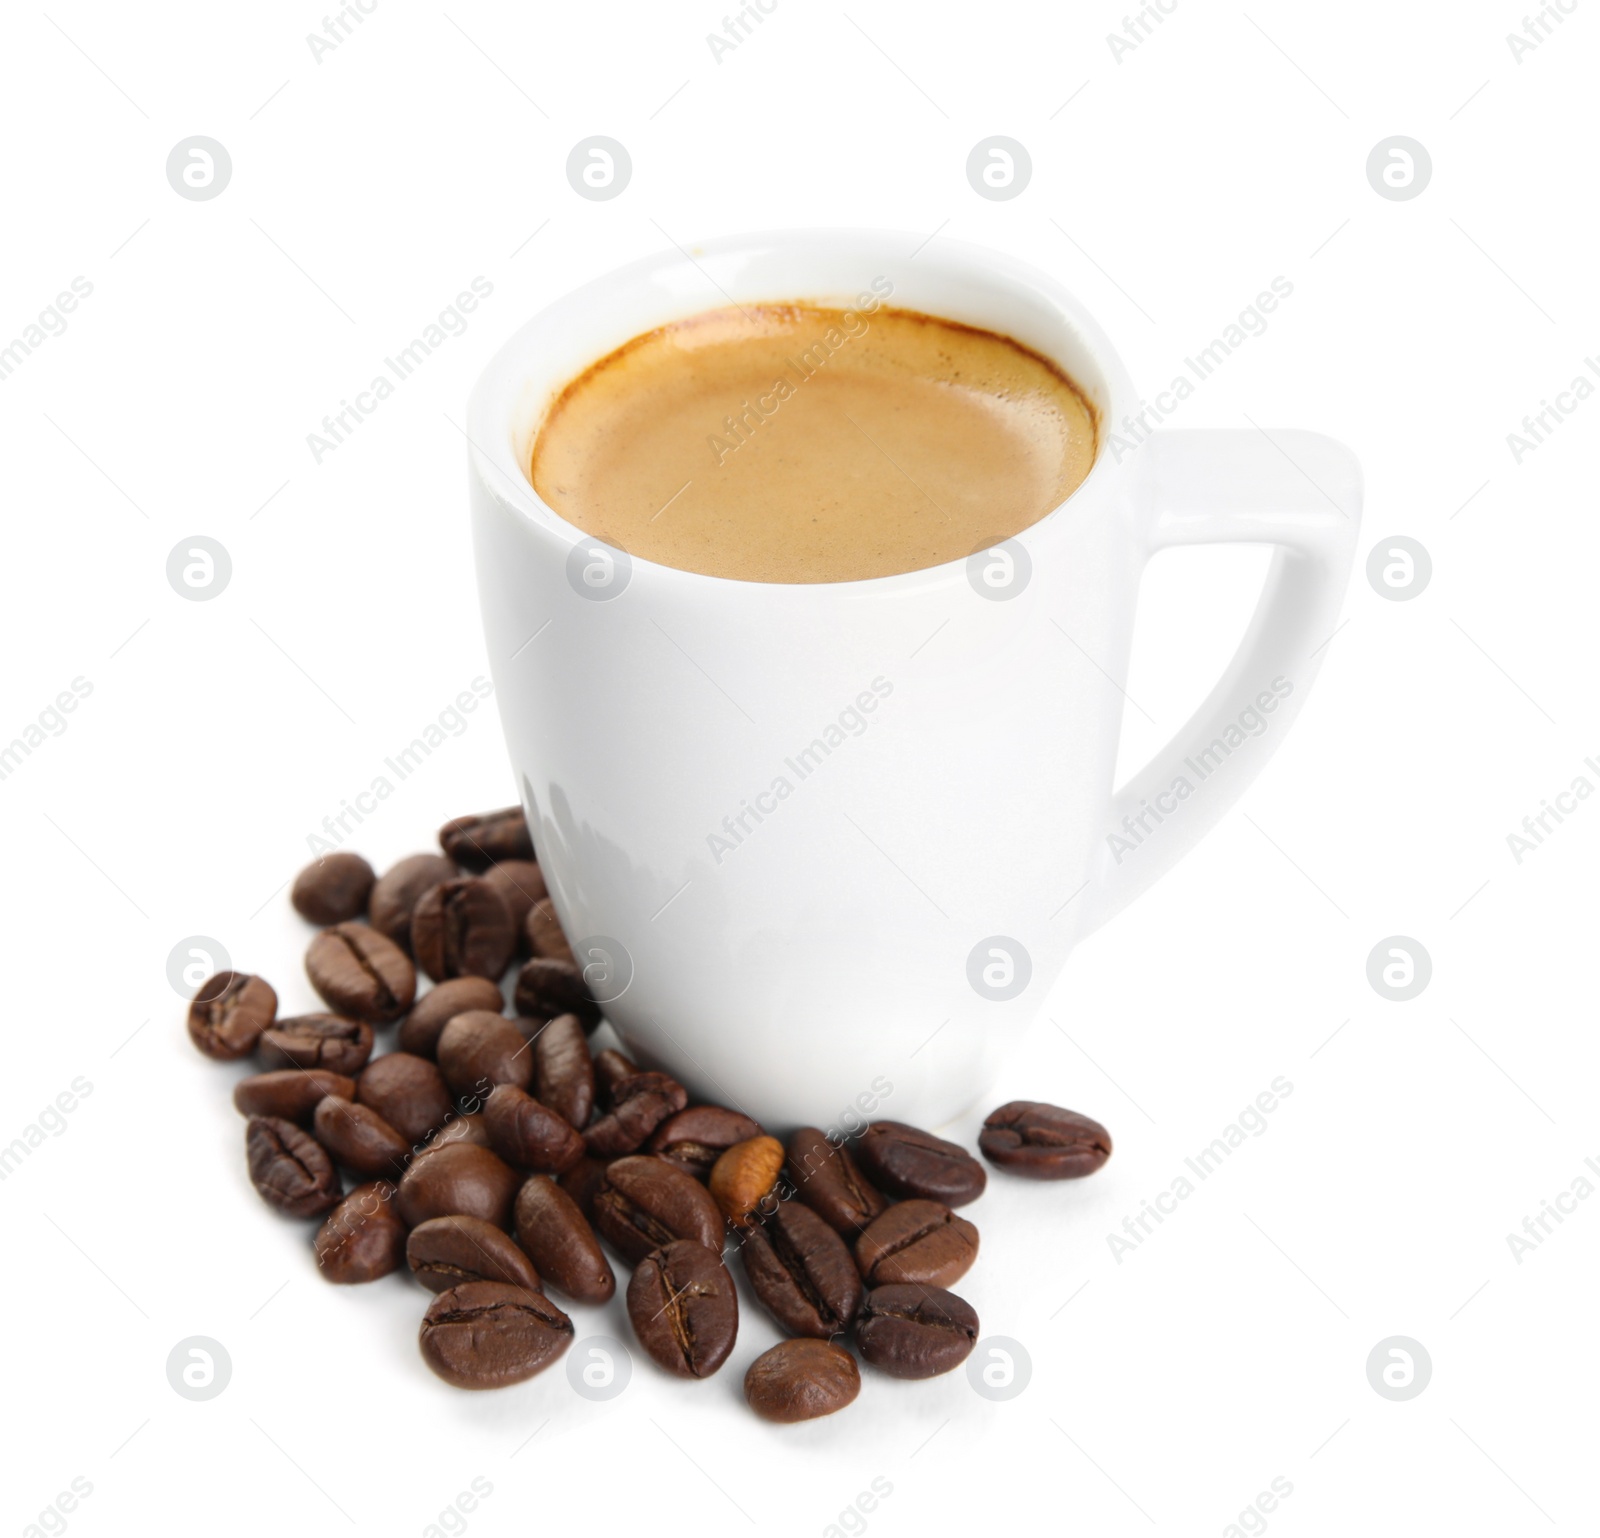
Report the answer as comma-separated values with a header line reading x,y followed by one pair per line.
x,y
610,1069
910,1331
563,1071
906,1161
407,1092
644,1203
798,1380
333,889
289,1168
639,1104
917,1241
478,1050
648,1082
359,1138
461,928
527,1134
684,1308
486,1334
520,884
363,1237
802,1272
743,1178
445,1252
583,1181
529,1026
460,1129
419,1031
548,988
291,1093
696,1138
543,934
361,974
1044,1142
396,892
473,1102
559,1241
460,1177
228,1014
317,1041
826,1179
483,839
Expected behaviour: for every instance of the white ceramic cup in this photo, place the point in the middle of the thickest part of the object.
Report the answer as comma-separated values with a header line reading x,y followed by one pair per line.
x,y
824,848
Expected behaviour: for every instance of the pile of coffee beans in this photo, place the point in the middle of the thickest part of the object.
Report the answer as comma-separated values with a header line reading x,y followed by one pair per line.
x,y
492,1153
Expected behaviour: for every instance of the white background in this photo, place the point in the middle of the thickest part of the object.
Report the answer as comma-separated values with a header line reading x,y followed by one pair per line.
x,y
1230,1348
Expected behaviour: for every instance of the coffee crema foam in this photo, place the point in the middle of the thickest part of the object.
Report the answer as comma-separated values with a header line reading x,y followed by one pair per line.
x,y
797,443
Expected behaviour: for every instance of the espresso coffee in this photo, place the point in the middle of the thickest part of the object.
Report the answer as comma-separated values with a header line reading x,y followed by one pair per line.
x,y
792,443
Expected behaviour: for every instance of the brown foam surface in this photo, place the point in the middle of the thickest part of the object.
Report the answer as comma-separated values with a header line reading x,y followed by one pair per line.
x,y
791,443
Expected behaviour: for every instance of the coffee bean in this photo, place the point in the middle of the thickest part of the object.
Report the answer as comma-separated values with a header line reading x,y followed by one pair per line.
x,y
289,1168
459,1129
826,1179
696,1138
487,1335
361,974
419,1031
459,1177
559,1241
396,892
485,838
610,1069
478,1050
363,1237
548,988
527,1134
798,1380
910,1331
445,1252
407,1092
563,1071
646,1081
684,1308
543,934
906,1161
917,1241
583,1181
530,1027
292,1093
333,889
644,1203
473,1101
802,1272
1044,1142
228,1014
639,1104
520,884
317,1041
359,1138
744,1176
461,929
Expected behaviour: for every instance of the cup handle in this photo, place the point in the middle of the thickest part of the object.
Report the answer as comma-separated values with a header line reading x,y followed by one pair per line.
x,y
1300,492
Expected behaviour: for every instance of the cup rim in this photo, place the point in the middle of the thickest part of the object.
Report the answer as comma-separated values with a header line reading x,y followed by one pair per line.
x,y
492,402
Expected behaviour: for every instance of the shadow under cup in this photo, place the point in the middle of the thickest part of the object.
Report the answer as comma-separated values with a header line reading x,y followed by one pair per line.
x,y
811,841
